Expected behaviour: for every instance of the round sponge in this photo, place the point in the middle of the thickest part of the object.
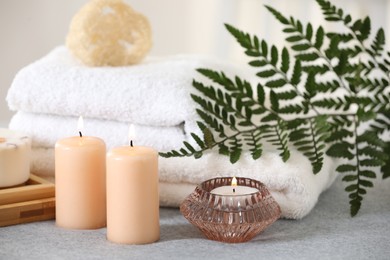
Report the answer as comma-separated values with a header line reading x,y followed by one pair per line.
x,y
109,33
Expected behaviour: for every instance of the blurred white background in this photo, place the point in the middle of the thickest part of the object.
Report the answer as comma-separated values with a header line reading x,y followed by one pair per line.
x,y
30,29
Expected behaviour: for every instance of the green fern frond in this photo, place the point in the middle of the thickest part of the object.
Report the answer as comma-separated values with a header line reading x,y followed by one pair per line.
x,y
366,160
278,15
304,98
377,46
309,137
253,141
211,121
360,31
217,77
278,137
287,95
292,109
243,39
333,103
235,149
381,122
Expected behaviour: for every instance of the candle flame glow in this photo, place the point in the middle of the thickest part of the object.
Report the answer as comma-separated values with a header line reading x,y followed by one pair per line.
x,y
131,134
80,125
234,182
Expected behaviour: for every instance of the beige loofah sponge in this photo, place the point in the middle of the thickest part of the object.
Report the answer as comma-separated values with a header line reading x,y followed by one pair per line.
x,y
109,33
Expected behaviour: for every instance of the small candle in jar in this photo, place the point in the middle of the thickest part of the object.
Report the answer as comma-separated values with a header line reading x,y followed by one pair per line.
x,y
80,179
15,156
132,194
233,189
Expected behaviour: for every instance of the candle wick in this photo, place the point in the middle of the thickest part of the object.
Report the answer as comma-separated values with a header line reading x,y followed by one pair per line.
x,y
81,135
234,190
131,143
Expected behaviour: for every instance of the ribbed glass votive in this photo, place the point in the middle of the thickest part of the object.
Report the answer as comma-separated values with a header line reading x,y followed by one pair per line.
x,y
232,218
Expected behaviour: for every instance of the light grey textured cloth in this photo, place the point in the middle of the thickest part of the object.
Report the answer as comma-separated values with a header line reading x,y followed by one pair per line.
x,y
328,232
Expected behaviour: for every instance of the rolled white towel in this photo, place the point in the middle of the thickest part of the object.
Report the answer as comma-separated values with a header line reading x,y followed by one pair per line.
x,y
46,129
292,184
154,93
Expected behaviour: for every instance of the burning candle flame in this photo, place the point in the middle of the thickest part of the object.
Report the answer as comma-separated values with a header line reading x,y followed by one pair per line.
x,y
234,184
131,134
80,126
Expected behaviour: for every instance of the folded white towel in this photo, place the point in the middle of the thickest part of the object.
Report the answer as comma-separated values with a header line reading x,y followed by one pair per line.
x,y
45,130
292,184
154,93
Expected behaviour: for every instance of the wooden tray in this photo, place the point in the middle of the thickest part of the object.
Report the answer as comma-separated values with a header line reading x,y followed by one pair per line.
x,y
24,212
30,202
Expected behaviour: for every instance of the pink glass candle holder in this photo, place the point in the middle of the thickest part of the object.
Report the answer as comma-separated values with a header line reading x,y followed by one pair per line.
x,y
231,218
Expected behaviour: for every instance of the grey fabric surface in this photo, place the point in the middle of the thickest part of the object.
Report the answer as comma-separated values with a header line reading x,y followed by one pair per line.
x,y
328,232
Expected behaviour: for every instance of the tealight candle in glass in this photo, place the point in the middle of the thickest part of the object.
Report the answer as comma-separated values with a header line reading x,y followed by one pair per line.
x,y
230,216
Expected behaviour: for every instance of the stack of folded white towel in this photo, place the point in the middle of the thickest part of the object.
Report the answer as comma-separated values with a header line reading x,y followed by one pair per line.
x,y
51,93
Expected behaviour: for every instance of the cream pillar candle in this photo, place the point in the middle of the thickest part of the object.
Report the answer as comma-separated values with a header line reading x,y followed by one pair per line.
x,y
15,156
80,182
132,195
